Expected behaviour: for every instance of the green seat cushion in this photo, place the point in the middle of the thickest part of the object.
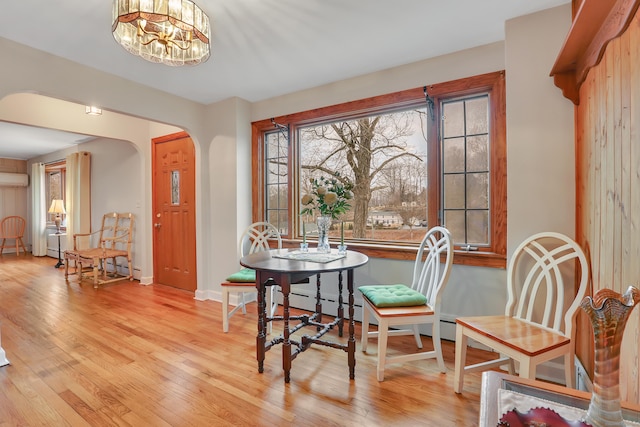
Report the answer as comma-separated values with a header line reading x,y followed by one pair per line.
x,y
392,295
246,275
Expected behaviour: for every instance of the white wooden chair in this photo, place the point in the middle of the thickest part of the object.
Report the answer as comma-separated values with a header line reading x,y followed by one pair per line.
x,y
538,324
389,304
254,239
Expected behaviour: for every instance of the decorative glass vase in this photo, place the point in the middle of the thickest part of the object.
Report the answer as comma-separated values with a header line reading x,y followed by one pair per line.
x,y
324,224
608,311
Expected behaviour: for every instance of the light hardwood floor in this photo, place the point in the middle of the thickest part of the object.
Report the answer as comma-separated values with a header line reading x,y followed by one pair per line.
x,y
133,355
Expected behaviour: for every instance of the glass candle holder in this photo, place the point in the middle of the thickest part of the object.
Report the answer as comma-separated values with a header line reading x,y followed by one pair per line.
x,y
304,247
342,249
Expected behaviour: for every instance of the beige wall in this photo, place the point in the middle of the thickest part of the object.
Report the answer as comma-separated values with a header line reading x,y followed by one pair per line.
x,y
540,148
479,60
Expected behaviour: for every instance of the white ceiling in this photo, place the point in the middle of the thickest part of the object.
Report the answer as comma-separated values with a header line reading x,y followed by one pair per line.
x,y
266,48
26,142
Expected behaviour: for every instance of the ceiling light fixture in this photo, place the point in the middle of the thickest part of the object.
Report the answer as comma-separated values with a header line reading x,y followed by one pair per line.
x,y
171,32
92,111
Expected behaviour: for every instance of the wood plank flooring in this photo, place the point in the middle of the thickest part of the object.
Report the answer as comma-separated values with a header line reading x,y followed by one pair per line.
x,y
133,355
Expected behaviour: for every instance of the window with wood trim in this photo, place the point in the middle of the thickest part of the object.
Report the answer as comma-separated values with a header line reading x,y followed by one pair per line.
x,y
276,151
434,155
55,176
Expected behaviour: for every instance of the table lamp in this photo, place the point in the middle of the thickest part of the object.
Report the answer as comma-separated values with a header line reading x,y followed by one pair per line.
x,y
57,207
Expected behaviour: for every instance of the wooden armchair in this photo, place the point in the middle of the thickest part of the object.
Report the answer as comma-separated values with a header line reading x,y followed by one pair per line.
x,y
114,241
12,227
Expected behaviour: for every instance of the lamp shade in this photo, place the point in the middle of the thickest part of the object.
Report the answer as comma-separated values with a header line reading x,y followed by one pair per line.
x,y
57,207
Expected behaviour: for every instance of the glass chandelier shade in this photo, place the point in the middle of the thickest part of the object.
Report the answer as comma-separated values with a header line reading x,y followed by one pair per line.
x,y
171,32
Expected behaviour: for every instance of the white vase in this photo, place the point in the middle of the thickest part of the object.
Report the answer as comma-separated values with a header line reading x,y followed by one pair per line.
x,y
324,224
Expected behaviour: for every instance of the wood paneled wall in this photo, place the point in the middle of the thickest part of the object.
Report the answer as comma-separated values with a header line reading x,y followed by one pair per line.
x,y
13,165
13,200
608,189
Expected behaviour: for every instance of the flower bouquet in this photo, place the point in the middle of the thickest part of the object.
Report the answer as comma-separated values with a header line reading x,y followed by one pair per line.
x,y
330,197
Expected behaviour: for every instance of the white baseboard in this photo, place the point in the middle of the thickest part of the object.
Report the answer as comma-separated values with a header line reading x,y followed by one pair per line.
x,y
146,280
206,295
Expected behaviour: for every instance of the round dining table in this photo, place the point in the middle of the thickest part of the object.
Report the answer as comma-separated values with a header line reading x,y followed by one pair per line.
x,y
284,267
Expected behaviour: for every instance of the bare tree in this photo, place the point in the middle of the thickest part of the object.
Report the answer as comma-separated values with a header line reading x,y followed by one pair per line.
x,y
359,150
410,215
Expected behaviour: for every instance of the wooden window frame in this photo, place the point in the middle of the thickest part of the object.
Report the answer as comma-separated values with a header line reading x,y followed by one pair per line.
x,y
491,83
50,168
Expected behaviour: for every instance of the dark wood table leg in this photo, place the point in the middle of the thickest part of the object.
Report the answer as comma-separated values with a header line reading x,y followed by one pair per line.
x,y
318,302
351,344
340,305
286,344
262,327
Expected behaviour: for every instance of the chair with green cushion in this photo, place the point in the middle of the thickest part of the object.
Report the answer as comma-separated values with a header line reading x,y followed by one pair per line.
x,y
402,305
254,239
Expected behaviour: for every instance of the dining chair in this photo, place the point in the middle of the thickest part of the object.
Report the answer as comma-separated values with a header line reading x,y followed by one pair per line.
x,y
255,238
419,303
538,324
12,227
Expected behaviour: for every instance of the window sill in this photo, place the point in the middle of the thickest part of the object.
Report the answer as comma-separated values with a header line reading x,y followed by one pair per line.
x,y
478,259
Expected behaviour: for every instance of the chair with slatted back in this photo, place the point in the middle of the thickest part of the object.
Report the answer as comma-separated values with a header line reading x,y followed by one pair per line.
x,y
254,239
114,240
402,305
538,324
12,228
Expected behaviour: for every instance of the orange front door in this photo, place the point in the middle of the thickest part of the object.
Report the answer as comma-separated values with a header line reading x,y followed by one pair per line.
x,y
174,215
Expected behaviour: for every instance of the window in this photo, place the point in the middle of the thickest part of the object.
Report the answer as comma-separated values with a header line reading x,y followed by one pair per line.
x,y
55,174
276,186
382,157
414,159
465,169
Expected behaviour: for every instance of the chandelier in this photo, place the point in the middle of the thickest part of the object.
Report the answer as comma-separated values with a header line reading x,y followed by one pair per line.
x,y
171,32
